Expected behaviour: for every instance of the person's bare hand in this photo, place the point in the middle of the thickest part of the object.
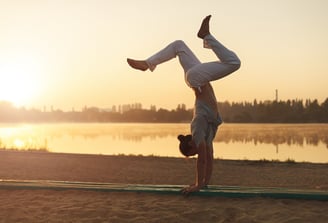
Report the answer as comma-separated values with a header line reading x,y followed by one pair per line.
x,y
190,189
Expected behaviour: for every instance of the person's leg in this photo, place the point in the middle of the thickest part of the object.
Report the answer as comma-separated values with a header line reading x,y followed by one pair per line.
x,y
229,62
200,74
177,48
224,54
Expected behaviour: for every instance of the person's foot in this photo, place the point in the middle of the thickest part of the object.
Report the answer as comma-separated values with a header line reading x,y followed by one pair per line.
x,y
204,28
138,64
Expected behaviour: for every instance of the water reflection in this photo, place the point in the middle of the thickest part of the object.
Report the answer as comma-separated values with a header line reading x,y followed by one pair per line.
x,y
233,141
126,132
290,134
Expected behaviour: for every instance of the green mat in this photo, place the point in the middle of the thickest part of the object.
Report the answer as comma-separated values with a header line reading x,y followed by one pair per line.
x,y
212,190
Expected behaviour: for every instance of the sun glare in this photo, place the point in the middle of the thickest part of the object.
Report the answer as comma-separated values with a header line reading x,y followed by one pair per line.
x,y
18,143
19,82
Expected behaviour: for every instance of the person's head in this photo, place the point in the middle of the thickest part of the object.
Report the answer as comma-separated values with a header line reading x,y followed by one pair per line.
x,y
186,146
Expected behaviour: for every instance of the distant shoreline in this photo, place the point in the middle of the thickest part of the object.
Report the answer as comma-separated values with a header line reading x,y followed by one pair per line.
x,y
290,111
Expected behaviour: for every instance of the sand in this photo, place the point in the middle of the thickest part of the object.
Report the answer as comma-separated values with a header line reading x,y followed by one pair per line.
x,y
89,206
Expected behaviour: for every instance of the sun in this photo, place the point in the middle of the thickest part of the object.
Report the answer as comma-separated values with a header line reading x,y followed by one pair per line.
x,y
19,83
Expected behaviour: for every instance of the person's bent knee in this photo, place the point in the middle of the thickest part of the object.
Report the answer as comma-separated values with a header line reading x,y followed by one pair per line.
x,y
179,43
193,80
235,66
238,66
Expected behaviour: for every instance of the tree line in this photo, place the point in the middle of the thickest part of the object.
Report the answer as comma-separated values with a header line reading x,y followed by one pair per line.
x,y
290,111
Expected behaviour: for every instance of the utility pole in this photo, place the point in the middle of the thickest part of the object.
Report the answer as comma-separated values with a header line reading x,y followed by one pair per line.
x,y
276,95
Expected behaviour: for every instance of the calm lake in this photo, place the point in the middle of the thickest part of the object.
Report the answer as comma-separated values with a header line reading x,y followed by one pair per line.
x,y
298,142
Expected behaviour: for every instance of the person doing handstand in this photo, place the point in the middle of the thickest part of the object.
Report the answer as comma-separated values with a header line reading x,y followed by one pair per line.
x,y
198,76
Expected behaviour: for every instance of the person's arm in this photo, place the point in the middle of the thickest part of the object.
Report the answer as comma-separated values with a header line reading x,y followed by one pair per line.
x,y
200,171
201,165
209,164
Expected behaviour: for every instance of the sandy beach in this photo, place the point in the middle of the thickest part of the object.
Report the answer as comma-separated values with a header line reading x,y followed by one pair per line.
x,y
90,206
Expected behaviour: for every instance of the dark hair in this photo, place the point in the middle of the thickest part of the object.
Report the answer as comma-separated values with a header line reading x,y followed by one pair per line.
x,y
184,145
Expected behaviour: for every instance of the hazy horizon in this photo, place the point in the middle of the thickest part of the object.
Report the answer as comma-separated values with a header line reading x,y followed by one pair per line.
x,y
110,106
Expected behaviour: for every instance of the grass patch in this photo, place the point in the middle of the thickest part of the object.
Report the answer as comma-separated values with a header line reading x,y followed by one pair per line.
x,y
290,161
264,161
25,149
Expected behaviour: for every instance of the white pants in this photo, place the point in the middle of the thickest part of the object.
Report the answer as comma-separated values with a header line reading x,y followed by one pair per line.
x,y
198,74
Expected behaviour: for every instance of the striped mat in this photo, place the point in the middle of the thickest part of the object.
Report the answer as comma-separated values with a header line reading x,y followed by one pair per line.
x,y
212,190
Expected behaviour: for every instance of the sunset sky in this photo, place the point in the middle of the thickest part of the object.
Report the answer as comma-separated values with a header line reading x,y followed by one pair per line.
x,y
72,53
